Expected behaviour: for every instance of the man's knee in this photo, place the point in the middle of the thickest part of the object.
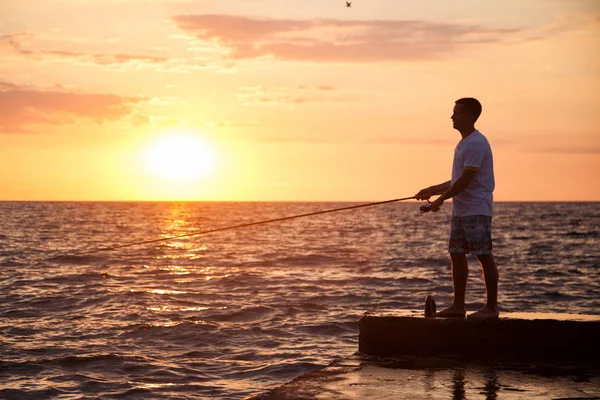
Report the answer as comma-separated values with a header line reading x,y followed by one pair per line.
x,y
458,258
486,259
488,264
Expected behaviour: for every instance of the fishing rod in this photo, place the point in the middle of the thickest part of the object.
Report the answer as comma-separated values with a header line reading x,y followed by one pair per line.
x,y
235,227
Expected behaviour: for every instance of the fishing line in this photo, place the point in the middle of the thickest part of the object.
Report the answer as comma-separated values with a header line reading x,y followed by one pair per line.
x,y
234,227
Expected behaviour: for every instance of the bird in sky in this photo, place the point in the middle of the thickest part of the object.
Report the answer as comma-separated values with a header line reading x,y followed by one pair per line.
x,y
348,4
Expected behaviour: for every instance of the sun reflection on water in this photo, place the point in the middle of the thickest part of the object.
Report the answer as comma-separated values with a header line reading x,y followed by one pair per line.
x,y
175,308
159,291
142,385
176,270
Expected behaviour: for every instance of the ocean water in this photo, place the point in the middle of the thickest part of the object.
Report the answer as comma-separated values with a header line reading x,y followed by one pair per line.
x,y
234,313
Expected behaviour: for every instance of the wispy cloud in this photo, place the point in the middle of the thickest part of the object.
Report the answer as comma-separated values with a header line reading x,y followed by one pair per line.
x,y
594,149
23,44
411,141
345,139
22,108
261,95
336,40
14,40
233,124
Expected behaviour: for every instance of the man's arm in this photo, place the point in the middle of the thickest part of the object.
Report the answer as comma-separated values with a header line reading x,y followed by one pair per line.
x,y
461,184
439,189
425,194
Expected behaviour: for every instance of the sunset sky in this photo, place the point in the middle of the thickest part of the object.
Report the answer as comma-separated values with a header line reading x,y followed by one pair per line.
x,y
248,100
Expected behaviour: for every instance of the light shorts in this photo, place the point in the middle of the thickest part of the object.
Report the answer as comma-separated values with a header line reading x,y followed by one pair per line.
x,y
471,234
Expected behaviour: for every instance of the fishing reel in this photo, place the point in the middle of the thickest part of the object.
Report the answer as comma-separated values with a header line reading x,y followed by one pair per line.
x,y
426,207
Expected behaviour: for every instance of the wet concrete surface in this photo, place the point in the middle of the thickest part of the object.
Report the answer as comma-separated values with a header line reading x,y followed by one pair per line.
x,y
357,377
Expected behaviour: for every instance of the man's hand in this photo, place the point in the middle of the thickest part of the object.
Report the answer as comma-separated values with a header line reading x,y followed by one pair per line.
x,y
435,206
424,194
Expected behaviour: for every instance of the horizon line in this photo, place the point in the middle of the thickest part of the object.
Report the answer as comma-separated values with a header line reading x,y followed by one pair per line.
x,y
273,201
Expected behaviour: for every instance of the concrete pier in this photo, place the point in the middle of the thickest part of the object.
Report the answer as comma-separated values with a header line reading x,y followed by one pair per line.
x,y
515,336
403,355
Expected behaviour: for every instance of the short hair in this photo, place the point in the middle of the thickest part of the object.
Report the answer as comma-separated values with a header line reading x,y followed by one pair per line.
x,y
471,105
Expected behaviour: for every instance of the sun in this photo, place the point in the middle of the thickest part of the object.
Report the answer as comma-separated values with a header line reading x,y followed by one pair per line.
x,y
181,156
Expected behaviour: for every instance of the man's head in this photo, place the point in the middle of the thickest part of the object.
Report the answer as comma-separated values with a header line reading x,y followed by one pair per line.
x,y
466,112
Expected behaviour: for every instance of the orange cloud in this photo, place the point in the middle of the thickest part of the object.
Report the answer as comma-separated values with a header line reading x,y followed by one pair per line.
x,y
336,40
21,107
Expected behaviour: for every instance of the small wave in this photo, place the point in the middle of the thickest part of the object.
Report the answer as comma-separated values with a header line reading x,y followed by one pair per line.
x,y
103,360
282,369
556,295
195,327
135,392
23,313
78,278
246,314
18,394
414,280
170,391
78,260
542,248
305,260
20,368
19,331
387,282
199,354
582,234
331,329
73,378
433,262
307,305
521,237
11,263
549,272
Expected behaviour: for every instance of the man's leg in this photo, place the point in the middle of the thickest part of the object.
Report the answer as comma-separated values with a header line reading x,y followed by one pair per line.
x,y
460,272
490,277
478,230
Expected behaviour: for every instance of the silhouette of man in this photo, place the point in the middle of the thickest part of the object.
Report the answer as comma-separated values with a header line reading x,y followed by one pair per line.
x,y
471,189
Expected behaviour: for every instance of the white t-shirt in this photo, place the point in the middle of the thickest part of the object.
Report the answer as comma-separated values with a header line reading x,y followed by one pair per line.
x,y
474,152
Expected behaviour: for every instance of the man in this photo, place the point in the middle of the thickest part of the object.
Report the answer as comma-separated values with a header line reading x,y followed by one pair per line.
x,y
471,191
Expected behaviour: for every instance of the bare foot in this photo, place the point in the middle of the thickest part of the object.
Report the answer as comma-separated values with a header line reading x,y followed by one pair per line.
x,y
452,312
485,313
